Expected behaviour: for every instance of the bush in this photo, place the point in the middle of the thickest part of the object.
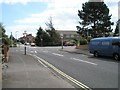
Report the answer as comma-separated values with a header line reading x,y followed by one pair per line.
x,y
89,38
83,41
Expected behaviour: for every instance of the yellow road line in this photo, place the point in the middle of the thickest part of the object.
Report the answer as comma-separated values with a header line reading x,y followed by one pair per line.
x,y
62,73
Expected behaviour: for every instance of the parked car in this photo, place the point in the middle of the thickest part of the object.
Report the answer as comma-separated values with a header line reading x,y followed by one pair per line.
x,y
27,43
32,44
107,46
69,44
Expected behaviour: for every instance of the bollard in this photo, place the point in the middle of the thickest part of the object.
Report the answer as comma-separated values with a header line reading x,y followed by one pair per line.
x,y
25,50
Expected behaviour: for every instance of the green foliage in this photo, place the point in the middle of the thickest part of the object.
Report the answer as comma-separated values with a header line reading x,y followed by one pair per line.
x,y
47,38
94,20
41,37
88,39
116,33
3,37
83,41
55,39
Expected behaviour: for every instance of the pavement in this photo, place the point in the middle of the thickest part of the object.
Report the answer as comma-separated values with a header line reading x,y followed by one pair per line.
x,y
24,71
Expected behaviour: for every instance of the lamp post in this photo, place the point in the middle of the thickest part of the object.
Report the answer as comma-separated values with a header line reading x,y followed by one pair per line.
x,y
119,17
41,42
119,26
25,41
16,34
16,37
62,40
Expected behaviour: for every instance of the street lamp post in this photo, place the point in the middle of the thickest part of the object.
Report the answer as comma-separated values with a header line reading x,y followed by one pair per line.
x,y
41,42
25,41
119,17
16,37
62,40
16,34
119,27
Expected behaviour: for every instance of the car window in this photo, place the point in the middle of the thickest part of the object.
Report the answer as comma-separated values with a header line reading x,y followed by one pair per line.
x,y
115,42
105,43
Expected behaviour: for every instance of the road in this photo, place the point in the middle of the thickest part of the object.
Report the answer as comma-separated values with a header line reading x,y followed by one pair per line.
x,y
94,72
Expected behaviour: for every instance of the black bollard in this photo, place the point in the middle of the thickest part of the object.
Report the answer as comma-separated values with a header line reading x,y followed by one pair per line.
x,y
25,50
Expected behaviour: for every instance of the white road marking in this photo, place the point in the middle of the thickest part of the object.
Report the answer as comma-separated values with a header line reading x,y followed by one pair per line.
x,y
58,54
32,51
45,51
84,61
35,51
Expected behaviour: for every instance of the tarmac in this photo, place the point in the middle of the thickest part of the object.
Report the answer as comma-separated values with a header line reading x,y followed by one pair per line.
x,y
77,51
24,71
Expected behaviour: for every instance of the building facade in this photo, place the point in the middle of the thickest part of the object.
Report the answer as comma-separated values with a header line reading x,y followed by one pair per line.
x,y
68,35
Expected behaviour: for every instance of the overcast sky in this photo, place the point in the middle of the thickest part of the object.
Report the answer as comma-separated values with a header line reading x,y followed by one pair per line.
x,y
20,15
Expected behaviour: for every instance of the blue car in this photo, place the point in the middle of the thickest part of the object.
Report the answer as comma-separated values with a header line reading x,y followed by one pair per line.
x,y
105,46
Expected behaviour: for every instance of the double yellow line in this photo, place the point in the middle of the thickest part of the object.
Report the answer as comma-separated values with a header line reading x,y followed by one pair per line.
x,y
62,73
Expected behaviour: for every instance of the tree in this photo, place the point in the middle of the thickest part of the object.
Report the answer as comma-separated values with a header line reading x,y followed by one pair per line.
x,y
42,38
54,36
94,20
3,37
39,37
116,33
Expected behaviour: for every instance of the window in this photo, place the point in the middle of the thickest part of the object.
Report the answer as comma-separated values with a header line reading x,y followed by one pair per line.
x,y
95,42
115,42
105,43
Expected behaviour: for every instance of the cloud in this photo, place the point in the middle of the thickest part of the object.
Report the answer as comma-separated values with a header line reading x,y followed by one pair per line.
x,y
66,17
22,1
63,13
54,2
31,29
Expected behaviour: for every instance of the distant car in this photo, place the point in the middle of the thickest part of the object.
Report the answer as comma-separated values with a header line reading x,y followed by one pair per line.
x,y
26,43
69,44
32,44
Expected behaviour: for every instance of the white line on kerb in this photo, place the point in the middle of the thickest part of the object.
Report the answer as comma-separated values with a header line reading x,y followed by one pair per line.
x,y
57,54
84,61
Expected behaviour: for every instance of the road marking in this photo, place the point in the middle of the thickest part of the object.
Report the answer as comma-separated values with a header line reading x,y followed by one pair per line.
x,y
62,73
45,51
84,61
58,54
32,51
35,51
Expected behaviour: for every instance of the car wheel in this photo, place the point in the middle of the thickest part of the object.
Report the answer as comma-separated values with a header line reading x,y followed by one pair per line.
x,y
96,54
116,56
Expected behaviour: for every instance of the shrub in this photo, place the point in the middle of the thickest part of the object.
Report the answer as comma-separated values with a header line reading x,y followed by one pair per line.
x,y
83,41
89,38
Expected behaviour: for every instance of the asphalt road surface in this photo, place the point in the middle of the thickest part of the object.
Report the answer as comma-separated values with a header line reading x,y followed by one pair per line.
x,y
94,72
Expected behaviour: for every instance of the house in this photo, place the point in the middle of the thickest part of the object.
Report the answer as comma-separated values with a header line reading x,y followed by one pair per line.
x,y
68,35
28,38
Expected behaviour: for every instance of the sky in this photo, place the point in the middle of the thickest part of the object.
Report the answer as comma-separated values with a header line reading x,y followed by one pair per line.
x,y
18,16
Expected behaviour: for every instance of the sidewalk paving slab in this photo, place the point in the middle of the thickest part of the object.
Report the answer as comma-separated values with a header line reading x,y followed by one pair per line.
x,y
24,71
